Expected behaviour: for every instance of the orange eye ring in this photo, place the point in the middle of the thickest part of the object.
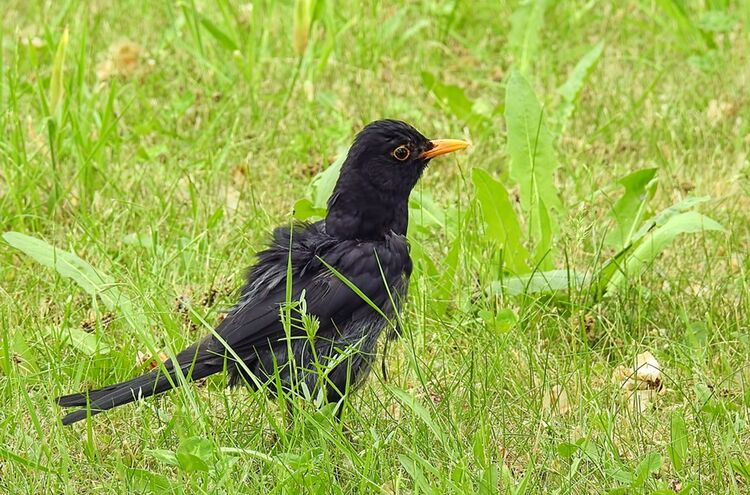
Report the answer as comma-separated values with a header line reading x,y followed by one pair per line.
x,y
401,153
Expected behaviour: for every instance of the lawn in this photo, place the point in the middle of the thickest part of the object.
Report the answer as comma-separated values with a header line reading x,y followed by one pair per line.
x,y
578,315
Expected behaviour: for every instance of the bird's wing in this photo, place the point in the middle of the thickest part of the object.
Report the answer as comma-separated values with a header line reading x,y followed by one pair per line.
x,y
327,295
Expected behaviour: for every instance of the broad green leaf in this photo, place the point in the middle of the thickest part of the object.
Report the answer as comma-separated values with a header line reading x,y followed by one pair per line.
x,y
424,213
678,446
322,184
489,478
250,453
502,321
141,240
566,449
716,21
708,61
304,210
88,343
57,84
164,456
611,268
194,454
655,241
542,232
677,11
20,353
533,164
68,265
502,223
507,481
571,88
523,485
532,283
314,205
479,445
145,241
614,266
620,474
696,337
704,396
148,482
298,462
629,209
427,266
454,99
93,281
525,26
650,464
424,463
664,215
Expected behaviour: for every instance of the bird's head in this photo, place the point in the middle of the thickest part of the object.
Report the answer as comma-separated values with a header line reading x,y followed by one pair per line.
x,y
383,165
390,156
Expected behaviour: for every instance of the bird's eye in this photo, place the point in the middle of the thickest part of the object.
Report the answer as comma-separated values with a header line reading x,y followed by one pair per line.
x,y
401,153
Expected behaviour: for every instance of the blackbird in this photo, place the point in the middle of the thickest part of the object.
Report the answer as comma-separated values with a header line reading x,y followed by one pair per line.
x,y
349,271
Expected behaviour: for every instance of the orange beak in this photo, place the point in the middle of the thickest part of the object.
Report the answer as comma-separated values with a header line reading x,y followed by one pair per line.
x,y
443,146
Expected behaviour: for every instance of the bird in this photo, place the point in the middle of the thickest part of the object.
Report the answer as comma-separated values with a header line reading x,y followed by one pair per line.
x,y
347,273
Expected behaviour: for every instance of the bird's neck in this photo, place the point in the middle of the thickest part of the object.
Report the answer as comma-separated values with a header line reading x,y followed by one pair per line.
x,y
365,214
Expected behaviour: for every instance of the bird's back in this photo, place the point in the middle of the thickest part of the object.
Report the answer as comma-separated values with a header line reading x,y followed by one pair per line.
x,y
352,288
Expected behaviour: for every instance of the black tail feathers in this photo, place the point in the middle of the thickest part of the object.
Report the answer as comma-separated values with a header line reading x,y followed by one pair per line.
x,y
191,363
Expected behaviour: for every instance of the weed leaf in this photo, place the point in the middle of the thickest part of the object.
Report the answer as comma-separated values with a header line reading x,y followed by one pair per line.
x,y
678,446
454,99
650,464
88,343
93,281
194,454
532,283
502,224
655,241
629,209
68,265
663,216
533,164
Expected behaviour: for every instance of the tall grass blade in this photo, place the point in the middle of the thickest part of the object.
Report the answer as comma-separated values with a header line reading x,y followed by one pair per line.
x,y
571,88
525,27
408,400
303,10
56,85
223,38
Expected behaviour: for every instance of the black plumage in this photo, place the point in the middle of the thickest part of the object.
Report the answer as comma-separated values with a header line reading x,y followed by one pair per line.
x,y
350,271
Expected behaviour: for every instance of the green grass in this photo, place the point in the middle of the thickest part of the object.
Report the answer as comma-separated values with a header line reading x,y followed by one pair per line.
x,y
169,178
